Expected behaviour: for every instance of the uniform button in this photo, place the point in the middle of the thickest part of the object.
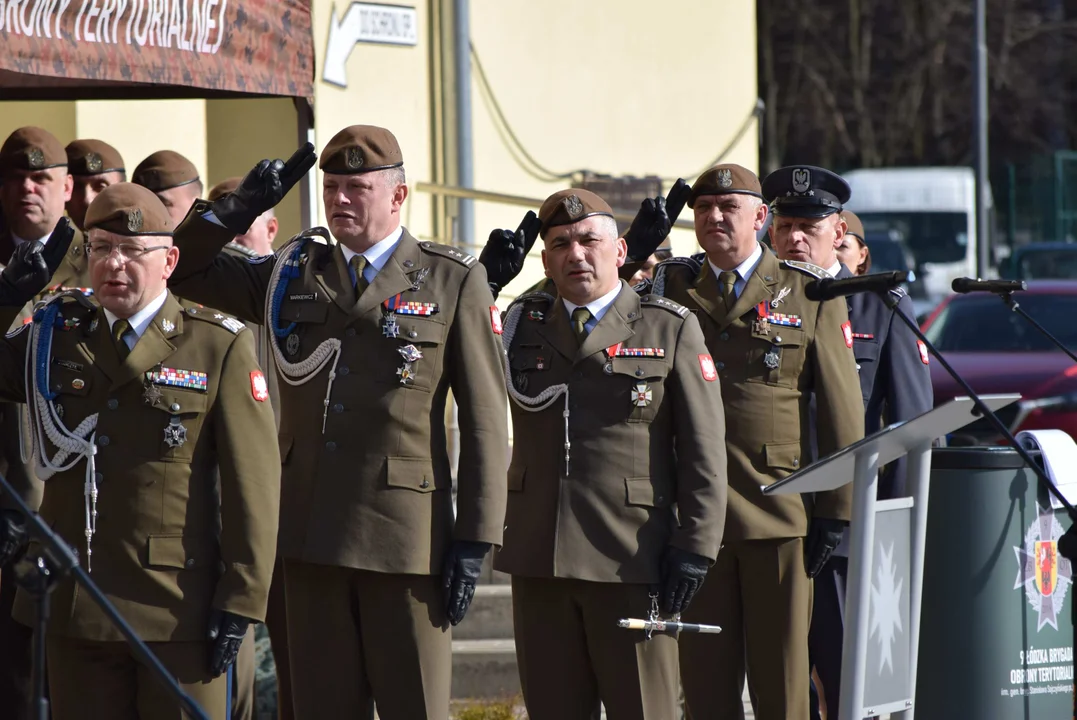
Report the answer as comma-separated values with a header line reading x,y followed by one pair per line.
x,y
103,440
720,365
660,498
425,483
777,339
412,334
724,336
98,477
343,370
174,407
338,408
639,372
189,563
113,403
350,332
796,462
330,446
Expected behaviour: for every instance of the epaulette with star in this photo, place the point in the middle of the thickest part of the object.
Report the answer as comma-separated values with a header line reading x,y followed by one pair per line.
x,y
692,265
805,267
898,292
665,304
448,251
216,317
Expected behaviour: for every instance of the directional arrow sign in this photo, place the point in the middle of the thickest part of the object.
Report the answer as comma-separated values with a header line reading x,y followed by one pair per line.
x,y
365,22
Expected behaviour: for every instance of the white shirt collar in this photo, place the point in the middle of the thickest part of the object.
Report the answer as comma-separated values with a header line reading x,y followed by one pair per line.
x,y
745,269
141,319
834,269
597,307
377,254
19,241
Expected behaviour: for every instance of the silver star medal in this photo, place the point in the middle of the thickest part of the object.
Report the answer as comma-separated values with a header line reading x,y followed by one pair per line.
x,y
410,353
175,433
780,298
389,327
641,395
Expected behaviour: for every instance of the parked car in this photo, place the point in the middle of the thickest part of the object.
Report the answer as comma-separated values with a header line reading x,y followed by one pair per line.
x,y
998,351
1042,261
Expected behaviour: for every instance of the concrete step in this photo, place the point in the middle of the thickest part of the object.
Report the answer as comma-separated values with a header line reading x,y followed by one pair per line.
x,y
489,617
484,669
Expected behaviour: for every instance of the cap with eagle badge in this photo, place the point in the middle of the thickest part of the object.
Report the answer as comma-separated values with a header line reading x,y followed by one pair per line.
x,y
360,149
805,191
31,148
92,157
128,209
164,170
565,207
726,179
224,187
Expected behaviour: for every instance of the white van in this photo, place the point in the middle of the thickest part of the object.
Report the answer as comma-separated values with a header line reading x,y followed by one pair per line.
x,y
930,210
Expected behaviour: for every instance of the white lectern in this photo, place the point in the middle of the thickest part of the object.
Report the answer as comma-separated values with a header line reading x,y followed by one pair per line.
x,y
886,555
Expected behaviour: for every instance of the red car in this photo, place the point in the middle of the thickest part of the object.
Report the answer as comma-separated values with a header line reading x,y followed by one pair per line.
x,y
997,351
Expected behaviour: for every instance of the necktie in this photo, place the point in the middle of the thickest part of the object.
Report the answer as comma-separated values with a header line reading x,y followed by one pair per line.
x,y
580,318
119,329
358,264
728,280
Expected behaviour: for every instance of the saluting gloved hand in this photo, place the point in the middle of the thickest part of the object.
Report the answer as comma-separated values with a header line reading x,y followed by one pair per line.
x,y
824,535
226,631
32,265
654,221
505,251
261,189
463,565
683,573
12,535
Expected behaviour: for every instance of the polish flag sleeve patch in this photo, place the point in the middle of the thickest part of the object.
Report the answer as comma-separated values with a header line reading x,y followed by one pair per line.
x,y
495,319
847,331
259,388
706,364
924,357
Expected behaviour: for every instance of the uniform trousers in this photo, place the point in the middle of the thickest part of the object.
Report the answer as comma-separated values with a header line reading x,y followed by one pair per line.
x,y
16,642
571,654
243,679
277,625
760,594
828,630
91,680
367,637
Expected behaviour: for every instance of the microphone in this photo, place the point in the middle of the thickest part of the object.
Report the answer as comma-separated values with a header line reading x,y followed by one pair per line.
x,y
967,285
830,288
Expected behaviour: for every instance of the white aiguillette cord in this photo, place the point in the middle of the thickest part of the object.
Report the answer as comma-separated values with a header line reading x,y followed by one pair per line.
x,y
547,397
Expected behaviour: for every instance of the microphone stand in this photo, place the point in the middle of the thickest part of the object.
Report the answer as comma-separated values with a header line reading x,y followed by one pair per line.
x,y
38,575
1007,297
1067,544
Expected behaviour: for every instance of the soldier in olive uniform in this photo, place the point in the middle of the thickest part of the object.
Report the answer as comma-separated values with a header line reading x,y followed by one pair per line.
x,y
133,405
895,380
94,165
371,334
591,530
173,178
773,349
257,242
34,185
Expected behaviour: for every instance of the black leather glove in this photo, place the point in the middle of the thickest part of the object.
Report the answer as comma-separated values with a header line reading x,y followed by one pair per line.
x,y
654,221
226,632
505,251
824,535
683,573
12,536
32,265
261,189
463,565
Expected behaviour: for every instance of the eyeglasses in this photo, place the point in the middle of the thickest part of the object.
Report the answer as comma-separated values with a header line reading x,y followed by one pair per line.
x,y
102,249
